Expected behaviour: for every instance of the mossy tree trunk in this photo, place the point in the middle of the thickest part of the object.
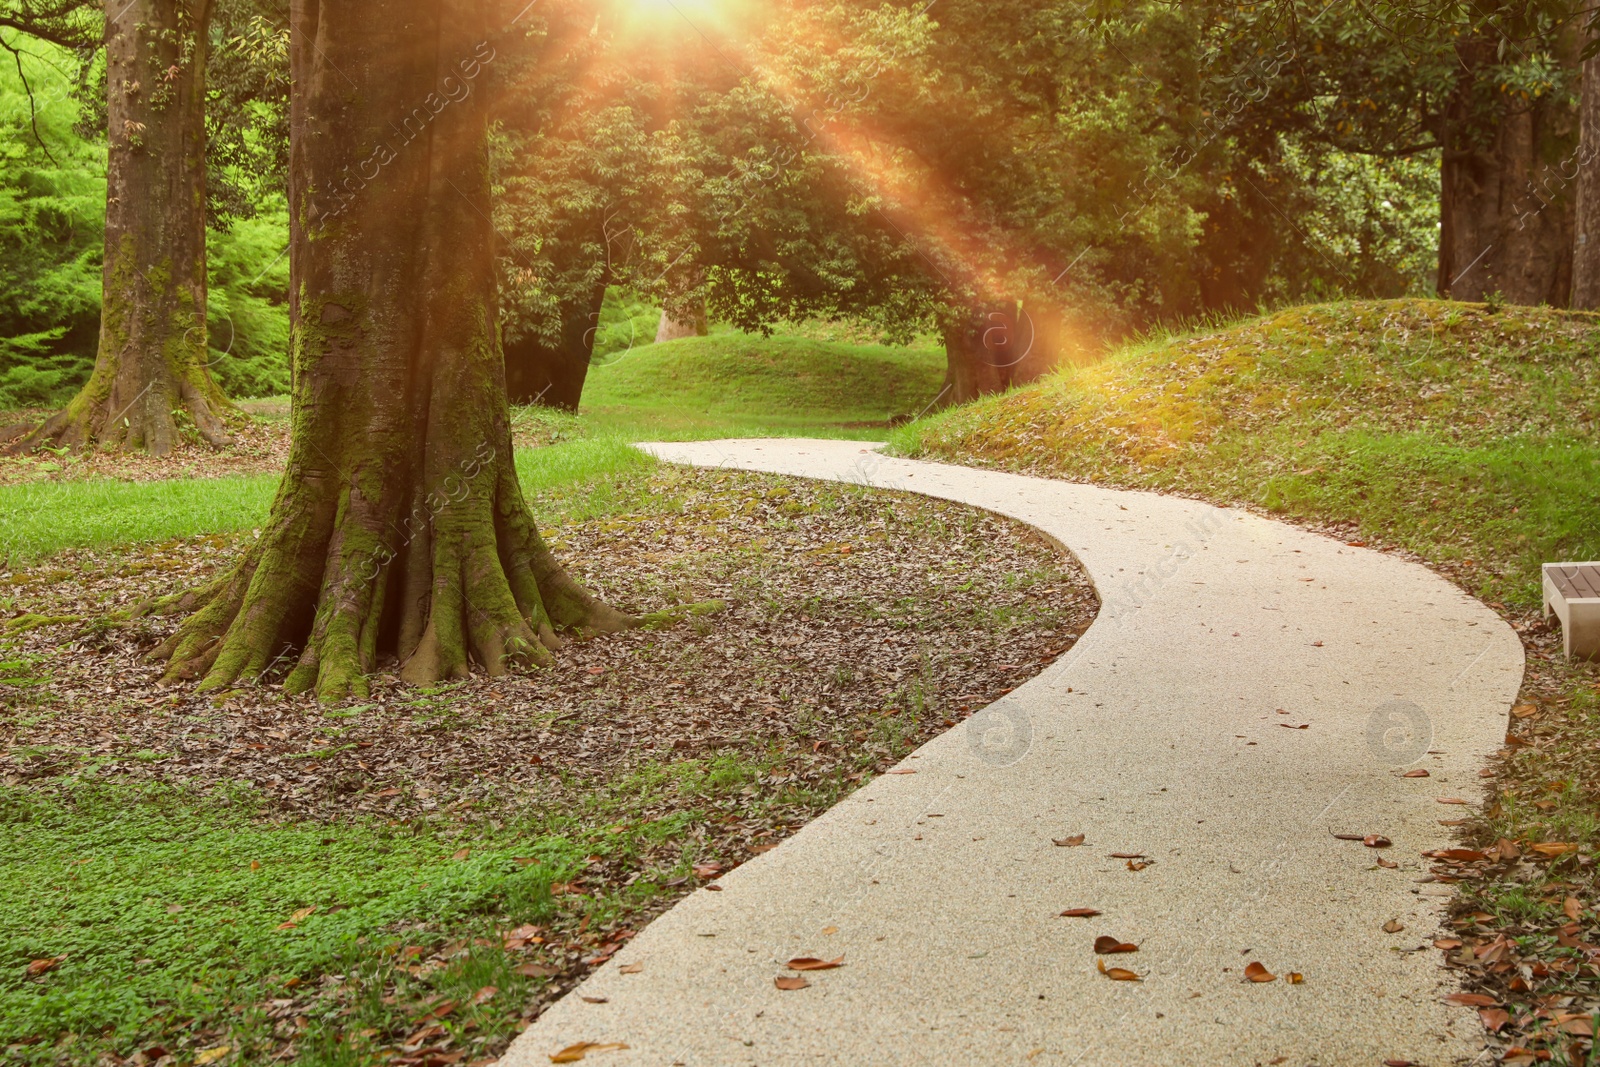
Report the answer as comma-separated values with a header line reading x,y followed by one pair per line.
x,y
1586,249
150,370
992,349
399,527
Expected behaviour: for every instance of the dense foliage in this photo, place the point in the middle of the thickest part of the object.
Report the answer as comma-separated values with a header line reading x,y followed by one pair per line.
x,y
1123,163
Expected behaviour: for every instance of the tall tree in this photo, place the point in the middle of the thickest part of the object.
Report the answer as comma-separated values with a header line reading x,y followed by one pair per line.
x,y
399,527
1586,245
150,368
1506,126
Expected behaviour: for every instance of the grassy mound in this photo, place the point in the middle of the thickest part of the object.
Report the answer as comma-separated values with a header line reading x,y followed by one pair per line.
x,y
736,384
1466,434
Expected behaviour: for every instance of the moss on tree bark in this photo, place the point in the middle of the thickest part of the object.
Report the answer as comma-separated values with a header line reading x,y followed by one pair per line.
x,y
399,527
150,370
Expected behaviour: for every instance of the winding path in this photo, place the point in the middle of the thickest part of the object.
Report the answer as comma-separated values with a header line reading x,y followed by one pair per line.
x,y
1158,733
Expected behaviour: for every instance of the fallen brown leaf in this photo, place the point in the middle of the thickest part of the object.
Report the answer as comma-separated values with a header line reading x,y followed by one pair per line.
x,y
1451,800
38,967
630,968
811,963
1376,841
1552,849
574,1053
1257,973
439,1011
1117,974
1105,945
1493,1018
1576,1023
484,995
536,970
1389,864
1418,772
790,981
1393,926
1572,907
595,1000
1068,842
1461,855
1080,913
1138,865
1295,978
1127,855
1471,1000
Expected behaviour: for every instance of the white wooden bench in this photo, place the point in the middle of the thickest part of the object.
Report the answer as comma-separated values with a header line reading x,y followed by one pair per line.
x,y
1572,593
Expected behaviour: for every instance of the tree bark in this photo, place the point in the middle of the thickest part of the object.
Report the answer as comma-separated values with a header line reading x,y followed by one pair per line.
x,y
990,350
151,368
688,322
1506,194
399,527
1586,246
553,375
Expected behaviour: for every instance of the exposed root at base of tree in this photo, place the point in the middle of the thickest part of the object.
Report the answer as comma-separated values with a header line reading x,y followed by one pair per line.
x,y
150,422
475,583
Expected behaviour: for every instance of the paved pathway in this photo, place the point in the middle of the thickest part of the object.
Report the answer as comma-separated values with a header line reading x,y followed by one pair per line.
x,y
1159,733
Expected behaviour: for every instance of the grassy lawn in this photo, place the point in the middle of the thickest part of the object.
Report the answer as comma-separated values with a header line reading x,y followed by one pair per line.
x,y
726,385
1464,435
244,878
40,518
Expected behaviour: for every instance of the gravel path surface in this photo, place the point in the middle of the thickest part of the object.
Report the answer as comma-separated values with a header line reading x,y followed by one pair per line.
x,y
1248,692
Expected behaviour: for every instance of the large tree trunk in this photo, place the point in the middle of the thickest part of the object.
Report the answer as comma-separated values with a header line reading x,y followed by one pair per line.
x,y
1586,248
399,527
151,364
539,373
1505,206
994,349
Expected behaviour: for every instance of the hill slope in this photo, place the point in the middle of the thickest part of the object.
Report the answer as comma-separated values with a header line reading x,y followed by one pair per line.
x,y
740,384
1467,435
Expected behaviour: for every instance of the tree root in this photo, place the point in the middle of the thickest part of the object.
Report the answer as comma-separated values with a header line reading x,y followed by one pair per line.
x,y
476,586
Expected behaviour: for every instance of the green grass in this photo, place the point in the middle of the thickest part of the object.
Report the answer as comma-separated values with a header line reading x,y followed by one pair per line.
x,y
725,385
41,518
741,385
166,912
1466,435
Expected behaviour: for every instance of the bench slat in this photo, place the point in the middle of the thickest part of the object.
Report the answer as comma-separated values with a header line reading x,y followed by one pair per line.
x,y
1577,583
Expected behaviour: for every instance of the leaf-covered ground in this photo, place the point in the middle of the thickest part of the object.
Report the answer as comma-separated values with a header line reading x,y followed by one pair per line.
x,y
1464,437
248,878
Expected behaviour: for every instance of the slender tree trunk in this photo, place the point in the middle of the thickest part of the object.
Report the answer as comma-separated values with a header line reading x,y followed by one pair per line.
x,y
150,371
1586,247
553,376
686,321
399,527
683,312
1506,191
